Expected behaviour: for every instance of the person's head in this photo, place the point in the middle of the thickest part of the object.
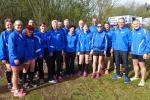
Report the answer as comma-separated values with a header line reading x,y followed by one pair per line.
x,y
29,31
43,27
66,23
31,23
54,24
60,24
85,28
121,22
18,25
107,26
115,26
81,24
136,24
8,24
94,21
99,27
71,29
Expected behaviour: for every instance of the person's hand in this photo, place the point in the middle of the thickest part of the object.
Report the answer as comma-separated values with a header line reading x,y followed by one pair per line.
x,y
51,54
91,53
145,56
111,51
40,56
4,61
63,53
16,61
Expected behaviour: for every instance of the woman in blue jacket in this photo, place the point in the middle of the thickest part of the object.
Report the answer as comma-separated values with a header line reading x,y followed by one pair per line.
x,y
46,47
70,50
139,49
98,49
58,45
33,50
16,48
84,48
4,49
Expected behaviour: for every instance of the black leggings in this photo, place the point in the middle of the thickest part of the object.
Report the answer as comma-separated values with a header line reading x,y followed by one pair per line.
x,y
69,60
39,65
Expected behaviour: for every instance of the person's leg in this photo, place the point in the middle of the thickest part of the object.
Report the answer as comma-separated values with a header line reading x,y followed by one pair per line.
x,y
40,69
81,58
32,69
117,62
95,58
67,62
124,56
8,75
86,64
136,67
100,63
143,70
24,74
59,64
72,58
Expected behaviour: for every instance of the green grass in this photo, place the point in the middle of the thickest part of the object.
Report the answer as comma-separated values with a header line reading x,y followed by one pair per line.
x,y
82,88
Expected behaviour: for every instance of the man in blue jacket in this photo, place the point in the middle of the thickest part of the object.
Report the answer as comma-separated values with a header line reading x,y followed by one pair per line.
x,y
120,44
139,49
79,29
93,27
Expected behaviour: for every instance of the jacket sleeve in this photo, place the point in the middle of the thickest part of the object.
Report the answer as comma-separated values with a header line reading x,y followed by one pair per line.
x,y
129,39
113,39
106,42
147,49
78,44
2,48
38,50
92,41
12,47
50,43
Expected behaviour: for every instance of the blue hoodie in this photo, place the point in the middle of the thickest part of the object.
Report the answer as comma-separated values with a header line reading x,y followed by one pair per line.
x,y
57,40
93,28
66,30
43,40
99,41
16,47
71,43
110,34
32,47
78,30
140,41
84,42
121,39
4,45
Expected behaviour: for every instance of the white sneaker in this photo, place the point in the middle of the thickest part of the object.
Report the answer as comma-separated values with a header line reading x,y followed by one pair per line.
x,y
142,83
52,81
134,78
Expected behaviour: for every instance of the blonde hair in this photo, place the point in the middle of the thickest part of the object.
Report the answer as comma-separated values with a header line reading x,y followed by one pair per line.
x,y
54,21
18,21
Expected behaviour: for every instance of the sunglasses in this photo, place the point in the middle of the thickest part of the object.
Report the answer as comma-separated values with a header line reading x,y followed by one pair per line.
x,y
99,26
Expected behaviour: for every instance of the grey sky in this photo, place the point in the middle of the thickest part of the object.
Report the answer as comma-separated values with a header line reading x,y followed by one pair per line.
x,y
136,1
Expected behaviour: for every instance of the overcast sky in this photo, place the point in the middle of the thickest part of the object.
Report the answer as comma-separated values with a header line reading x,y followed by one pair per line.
x,y
137,1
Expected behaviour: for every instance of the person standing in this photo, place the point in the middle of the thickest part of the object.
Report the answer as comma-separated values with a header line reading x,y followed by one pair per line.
x,y
139,49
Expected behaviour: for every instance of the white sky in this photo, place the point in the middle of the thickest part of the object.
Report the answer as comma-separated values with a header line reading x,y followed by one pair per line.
x,y
136,1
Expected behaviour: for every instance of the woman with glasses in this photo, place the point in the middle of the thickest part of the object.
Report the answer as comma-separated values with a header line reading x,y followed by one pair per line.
x,y
98,49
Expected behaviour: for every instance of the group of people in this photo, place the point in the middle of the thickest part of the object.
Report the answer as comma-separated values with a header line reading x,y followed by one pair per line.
x,y
23,51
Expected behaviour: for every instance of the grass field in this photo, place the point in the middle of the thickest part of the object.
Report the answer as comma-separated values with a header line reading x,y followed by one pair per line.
x,y
81,88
